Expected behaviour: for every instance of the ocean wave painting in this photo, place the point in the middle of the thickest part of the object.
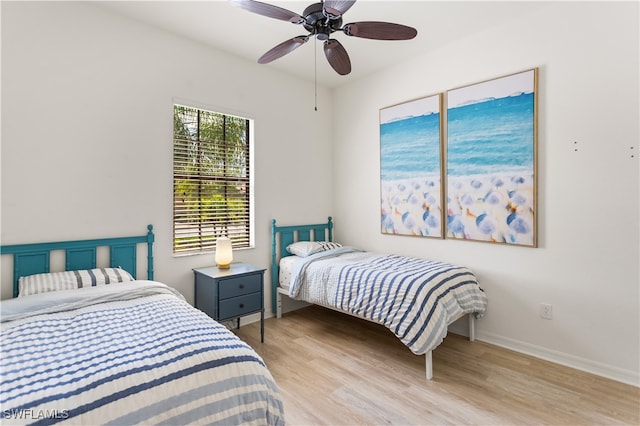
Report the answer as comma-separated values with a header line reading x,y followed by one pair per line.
x,y
491,145
410,168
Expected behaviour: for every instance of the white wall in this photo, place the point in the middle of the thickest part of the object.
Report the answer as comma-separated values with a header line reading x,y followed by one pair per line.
x,y
87,132
586,265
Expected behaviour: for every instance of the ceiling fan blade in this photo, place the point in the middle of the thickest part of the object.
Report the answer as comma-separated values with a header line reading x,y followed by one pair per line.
x,y
334,9
379,30
268,10
337,56
282,49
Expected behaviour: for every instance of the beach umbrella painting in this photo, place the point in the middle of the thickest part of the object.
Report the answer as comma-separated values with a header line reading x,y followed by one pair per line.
x,y
490,152
411,168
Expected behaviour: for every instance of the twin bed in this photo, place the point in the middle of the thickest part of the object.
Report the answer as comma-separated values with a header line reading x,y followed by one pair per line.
x,y
417,299
97,346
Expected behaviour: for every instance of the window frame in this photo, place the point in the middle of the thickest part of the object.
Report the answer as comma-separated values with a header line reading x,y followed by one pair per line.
x,y
250,235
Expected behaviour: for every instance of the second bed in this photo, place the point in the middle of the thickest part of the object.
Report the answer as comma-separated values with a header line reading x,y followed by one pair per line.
x,y
417,299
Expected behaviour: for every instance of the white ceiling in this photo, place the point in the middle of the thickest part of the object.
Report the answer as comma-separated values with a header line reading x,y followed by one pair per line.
x,y
248,35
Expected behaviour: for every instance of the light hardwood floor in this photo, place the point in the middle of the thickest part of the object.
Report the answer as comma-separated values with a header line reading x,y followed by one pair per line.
x,y
333,369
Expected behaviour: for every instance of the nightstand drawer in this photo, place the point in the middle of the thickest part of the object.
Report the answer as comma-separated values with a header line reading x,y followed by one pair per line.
x,y
232,287
241,305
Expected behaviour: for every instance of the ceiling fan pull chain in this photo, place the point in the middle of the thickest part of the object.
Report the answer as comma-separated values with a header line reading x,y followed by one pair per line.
x,y
315,73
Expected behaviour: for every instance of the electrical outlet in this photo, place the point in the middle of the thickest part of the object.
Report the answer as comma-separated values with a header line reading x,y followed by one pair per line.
x,y
546,311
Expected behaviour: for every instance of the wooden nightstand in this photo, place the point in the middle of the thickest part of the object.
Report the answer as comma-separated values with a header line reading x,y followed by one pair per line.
x,y
226,294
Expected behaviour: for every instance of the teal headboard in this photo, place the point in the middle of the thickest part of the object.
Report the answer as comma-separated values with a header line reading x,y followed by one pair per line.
x,y
282,236
29,259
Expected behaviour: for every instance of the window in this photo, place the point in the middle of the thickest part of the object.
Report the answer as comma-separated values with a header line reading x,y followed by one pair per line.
x,y
211,180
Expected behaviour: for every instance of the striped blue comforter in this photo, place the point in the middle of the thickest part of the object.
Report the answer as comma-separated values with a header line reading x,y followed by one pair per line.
x,y
415,298
127,354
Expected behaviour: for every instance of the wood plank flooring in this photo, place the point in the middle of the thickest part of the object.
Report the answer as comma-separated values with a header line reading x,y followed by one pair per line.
x,y
333,369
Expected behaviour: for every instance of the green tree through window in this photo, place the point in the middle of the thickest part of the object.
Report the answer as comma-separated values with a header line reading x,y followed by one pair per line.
x,y
211,185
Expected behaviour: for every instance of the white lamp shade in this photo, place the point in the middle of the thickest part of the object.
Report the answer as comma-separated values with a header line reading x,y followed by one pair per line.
x,y
224,253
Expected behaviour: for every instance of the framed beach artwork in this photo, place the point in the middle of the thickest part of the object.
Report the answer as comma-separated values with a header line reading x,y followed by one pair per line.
x,y
491,160
411,168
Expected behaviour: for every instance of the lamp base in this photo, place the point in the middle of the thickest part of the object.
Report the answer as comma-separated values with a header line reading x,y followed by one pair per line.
x,y
221,266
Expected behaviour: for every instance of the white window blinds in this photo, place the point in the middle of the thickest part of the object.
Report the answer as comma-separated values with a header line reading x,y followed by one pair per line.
x,y
211,185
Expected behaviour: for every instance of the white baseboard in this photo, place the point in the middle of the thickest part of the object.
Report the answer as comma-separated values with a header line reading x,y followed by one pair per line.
x,y
614,373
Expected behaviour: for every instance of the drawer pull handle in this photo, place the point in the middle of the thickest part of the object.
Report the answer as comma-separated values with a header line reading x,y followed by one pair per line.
x,y
242,305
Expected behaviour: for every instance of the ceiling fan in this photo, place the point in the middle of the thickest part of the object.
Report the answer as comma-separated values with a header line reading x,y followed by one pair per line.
x,y
321,20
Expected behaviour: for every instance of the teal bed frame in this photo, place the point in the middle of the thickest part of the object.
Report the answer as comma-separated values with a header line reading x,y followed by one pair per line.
x,y
30,259
282,236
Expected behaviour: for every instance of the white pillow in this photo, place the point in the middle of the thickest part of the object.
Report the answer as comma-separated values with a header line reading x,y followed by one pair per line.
x,y
304,248
307,248
68,280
